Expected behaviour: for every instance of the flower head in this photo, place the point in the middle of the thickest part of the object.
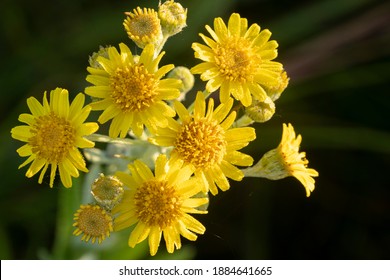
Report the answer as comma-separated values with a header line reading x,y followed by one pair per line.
x,y
143,27
238,60
205,141
93,222
285,161
160,204
131,91
53,133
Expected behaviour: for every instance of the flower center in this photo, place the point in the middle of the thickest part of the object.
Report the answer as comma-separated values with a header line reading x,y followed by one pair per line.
x,y
144,25
53,137
236,59
93,221
134,89
201,143
157,204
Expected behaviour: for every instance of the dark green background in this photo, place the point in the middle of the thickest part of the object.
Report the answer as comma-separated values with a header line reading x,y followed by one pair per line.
x,y
337,55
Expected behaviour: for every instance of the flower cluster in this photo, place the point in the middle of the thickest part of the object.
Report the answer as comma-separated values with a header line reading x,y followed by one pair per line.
x,y
163,158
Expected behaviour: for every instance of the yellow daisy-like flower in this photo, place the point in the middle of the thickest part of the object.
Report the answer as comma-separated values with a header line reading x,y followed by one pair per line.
x,y
93,222
285,161
160,204
131,91
143,27
205,141
238,60
53,133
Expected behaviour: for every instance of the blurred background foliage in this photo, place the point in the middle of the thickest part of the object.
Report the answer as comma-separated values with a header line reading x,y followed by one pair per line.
x,y
337,55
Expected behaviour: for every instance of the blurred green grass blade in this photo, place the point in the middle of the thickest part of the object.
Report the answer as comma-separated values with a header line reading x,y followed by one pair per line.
x,y
308,19
5,252
347,138
68,203
358,77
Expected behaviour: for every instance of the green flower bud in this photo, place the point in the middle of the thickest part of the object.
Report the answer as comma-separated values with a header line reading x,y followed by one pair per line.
x,y
172,16
275,92
184,74
261,111
93,58
107,191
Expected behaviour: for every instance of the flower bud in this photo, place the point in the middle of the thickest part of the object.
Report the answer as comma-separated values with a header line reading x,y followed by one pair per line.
x,y
107,191
93,58
261,111
172,16
184,74
275,91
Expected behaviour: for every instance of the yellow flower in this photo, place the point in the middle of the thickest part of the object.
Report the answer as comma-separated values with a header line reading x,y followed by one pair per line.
x,y
205,141
143,27
93,222
238,60
160,204
285,161
53,133
131,91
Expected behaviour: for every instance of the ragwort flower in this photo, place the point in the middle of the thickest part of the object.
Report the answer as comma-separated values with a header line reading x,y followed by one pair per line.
x,y
205,141
160,204
93,222
53,133
285,161
143,27
238,60
131,91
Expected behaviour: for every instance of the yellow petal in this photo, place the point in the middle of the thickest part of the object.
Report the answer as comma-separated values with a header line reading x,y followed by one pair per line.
x,y
139,234
154,240
35,107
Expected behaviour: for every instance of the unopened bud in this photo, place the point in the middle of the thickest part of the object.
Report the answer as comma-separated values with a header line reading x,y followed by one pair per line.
x,y
184,74
107,191
93,58
276,91
261,111
173,17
